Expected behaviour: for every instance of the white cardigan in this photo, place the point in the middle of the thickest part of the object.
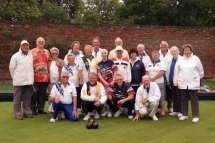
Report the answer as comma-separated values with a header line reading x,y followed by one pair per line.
x,y
190,71
168,65
153,95
21,69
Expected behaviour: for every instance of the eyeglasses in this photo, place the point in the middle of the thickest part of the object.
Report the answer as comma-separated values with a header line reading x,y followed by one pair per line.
x,y
65,77
119,79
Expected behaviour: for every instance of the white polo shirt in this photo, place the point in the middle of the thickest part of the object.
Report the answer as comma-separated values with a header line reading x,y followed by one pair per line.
x,y
155,69
73,78
68,93
54,73
93,64
77,57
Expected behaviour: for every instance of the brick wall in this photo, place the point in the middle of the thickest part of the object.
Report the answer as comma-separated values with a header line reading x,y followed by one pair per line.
x,y
61,36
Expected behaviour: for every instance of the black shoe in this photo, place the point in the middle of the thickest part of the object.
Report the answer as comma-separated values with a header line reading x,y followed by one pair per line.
x,y
41,112
90,122
34,112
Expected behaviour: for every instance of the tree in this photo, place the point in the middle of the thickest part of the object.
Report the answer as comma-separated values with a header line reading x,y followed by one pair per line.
x,y
70,6
168,12
98,11
22,10
53,13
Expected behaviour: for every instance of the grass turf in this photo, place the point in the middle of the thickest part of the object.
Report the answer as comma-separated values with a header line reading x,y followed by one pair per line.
x,y
111,130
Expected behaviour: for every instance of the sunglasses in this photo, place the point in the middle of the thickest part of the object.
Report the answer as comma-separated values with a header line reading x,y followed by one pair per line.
x,y
65,77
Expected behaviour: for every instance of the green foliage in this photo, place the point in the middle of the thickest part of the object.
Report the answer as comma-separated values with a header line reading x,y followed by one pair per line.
x,y
98,11
138,12
53,13
22,10
168,12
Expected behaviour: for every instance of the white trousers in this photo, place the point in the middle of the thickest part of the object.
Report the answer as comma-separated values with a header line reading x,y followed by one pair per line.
x,y
152,107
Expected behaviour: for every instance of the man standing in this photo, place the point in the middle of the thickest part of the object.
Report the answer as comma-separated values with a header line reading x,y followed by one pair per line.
x,y
165,56
63,97
21,70
96,48
122,64
88,64
41,76
142,54
147,97
121,95
118,42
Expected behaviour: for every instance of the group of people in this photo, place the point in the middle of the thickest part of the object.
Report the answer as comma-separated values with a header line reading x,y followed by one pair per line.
x,y
96,83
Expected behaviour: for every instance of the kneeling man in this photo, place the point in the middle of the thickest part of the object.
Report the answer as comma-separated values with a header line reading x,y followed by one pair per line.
x,y
147,97
63,97
121,94
93,96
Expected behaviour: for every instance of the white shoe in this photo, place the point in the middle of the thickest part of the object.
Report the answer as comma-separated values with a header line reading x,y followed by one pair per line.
x,y
62,115
173,113
104,113
183,118
170,110
97,116
118,113
86,117
154,118
52,120
130,117
80,112
179,115
195,120
109,114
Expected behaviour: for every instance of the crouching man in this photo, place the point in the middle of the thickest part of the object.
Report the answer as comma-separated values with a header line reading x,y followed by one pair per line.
x,y
147,98
93,96
121,94
63,97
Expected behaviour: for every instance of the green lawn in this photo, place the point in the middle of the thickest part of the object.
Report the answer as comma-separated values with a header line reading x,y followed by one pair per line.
x,y
113,130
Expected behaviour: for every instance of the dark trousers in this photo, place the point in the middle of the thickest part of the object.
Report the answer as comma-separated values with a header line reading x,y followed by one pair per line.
x,y
89,106
185,95
135,89
169,97
22,94
176,98
66,108
115,107
39,96
79,100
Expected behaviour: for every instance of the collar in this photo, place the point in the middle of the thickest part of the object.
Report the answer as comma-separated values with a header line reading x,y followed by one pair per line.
x,y
92,84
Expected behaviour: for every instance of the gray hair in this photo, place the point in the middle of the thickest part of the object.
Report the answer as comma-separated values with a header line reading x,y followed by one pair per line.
x,y
104,51
145,77
69,55
54,49
175,48
64,72
92,74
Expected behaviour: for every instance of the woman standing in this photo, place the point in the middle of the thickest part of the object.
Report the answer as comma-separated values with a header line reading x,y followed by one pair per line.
x,y
172,80
55,66
156,69
75,50
190,72
137,70
74,77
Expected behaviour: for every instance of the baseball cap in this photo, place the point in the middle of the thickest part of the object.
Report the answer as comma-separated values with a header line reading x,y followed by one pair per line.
x,y
119,48
24,42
